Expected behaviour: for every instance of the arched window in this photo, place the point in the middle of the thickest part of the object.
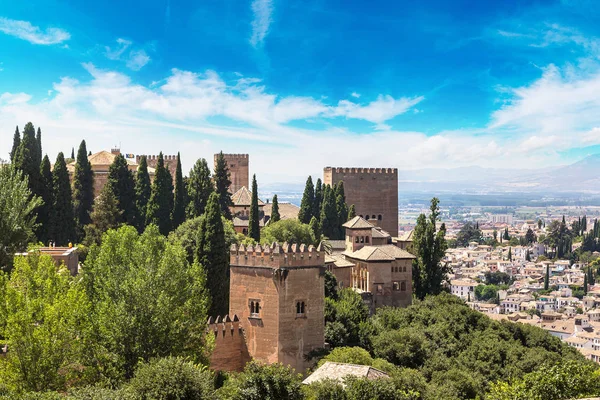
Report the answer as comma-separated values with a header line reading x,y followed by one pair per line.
x,y
254,308
367,217
356,239
300,309
366,239
362,239
373,217
361,216
379,217
403,287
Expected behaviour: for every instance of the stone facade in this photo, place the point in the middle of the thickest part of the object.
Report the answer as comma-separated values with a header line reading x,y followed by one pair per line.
x,y
278,293
373,191
230,352
169,159
238,165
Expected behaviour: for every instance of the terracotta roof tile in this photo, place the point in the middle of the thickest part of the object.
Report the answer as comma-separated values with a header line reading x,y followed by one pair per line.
x,y
338,371
358,223
243,197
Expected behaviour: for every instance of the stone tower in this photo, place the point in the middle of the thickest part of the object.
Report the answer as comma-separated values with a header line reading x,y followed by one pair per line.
x,y
238,165
278,294
169,159
373,191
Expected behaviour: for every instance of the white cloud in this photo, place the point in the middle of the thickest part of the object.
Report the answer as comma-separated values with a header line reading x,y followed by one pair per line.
x,y
33,34
135,59
378,111
262,11
355,95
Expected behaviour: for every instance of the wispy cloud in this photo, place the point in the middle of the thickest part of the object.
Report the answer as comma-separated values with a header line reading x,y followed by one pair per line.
x,y
135,59
262,11
378,111
33,34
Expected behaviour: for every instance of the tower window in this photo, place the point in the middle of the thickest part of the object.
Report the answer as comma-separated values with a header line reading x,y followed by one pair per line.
x,y
362,239
356,239
367,217
373,217
366,239
255,308
379,217
300,309
403,287
396,286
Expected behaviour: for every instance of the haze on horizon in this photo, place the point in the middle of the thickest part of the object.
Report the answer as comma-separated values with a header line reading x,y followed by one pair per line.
x,y
300,85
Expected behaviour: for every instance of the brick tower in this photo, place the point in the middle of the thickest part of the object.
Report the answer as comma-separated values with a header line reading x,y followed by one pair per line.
x,y
278,294
169,159
238,165
373,191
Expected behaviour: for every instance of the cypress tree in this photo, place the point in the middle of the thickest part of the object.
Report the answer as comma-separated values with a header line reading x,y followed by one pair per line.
x,y
178,215
253,224
161,198
62,221
38,140
585,283
547,278
307,203
510,254
222,184
26,158
142,193
328,220
44,212
351,212
83,191
90,153
72,153
314,228
120,179
591,280
342,209
212,253
318,202
199,189
275,210
16,144
105,215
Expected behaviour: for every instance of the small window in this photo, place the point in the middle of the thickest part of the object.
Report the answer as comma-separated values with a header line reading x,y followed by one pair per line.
x,y
373,217
404,269
367,217
396,286
300,309
403,287
361,216
356,239
245,231
379,217
362,239
366,239
254,308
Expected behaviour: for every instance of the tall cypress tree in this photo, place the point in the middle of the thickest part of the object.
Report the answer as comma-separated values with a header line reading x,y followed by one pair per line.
x,y
72,153
199,188
121,182
38,140
314,228
275,210
308,202
83,191
253,224
27,157
45,210
585,283
328,221
161,198
16,144
213,254
63,223
105,215
318,199
342,209
178,215
547,278
222,184
351,212
142,193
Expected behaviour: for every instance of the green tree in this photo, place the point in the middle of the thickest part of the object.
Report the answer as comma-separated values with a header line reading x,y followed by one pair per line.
x,y
314,227
143,191
17,217
509,254
468,233
317,204
72,153
46,327
83,191
62,219
16,144
253,223
288,230
350,311
275,210
222,184
506,235
585,283
161,198
530,236
264,382
135,319
122,184
45,210
329,217
105,215
351,212
307,204
38,142
212,252
342,209
547,278
199,188
429,247
178,215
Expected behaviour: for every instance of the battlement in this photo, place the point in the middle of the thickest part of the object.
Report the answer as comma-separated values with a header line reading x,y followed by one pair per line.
x,y
166,157
276,256
355,170
224,327
230,352
234,156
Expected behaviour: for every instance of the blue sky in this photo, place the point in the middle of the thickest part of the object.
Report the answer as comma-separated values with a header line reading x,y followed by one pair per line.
x,y
301,84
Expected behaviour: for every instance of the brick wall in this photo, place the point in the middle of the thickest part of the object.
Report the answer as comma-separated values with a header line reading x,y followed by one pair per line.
x,y
230,352
238,165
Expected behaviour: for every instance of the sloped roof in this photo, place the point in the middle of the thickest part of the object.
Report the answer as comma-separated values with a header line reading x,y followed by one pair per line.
x,y
387,252
243,197
406,237
338,371
104,158
358,223
286,210
377,232
245,222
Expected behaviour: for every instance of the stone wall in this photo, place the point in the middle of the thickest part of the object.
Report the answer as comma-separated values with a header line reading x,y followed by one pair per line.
x,y
230,352
238,165
169,159
373,191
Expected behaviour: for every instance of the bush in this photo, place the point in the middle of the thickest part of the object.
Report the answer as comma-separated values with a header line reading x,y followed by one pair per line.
x,y
326,389
263,382
170,379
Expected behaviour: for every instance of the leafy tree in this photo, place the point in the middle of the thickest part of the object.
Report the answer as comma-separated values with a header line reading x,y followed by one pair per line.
x,y
253,223
314,227
331,288
161,198
170,378
342,209
506,235
264,382
38,141
350,311
275,210
468,233
72,153
46,327
178,215
17,217
530,236
45,210
105,215
486,292
143,190
222,184
497,278
307,204
136,319
212,252
122,184
351,212
288,230
325,389
16,144
28,161
83,190
585,283
539,223
199,188
380,389
329,216
62,219
318,202
429,247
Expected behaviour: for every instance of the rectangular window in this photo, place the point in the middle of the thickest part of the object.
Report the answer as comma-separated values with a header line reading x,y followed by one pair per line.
x,y
366,239
396,286
300,308
255,307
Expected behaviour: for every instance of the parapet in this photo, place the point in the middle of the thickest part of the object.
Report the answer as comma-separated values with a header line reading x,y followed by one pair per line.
x,y
224,327
234,156
276,256
154,157
356,170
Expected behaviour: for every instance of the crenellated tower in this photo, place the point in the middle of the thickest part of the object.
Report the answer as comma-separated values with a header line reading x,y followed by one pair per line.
x,y
169,159
239,172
